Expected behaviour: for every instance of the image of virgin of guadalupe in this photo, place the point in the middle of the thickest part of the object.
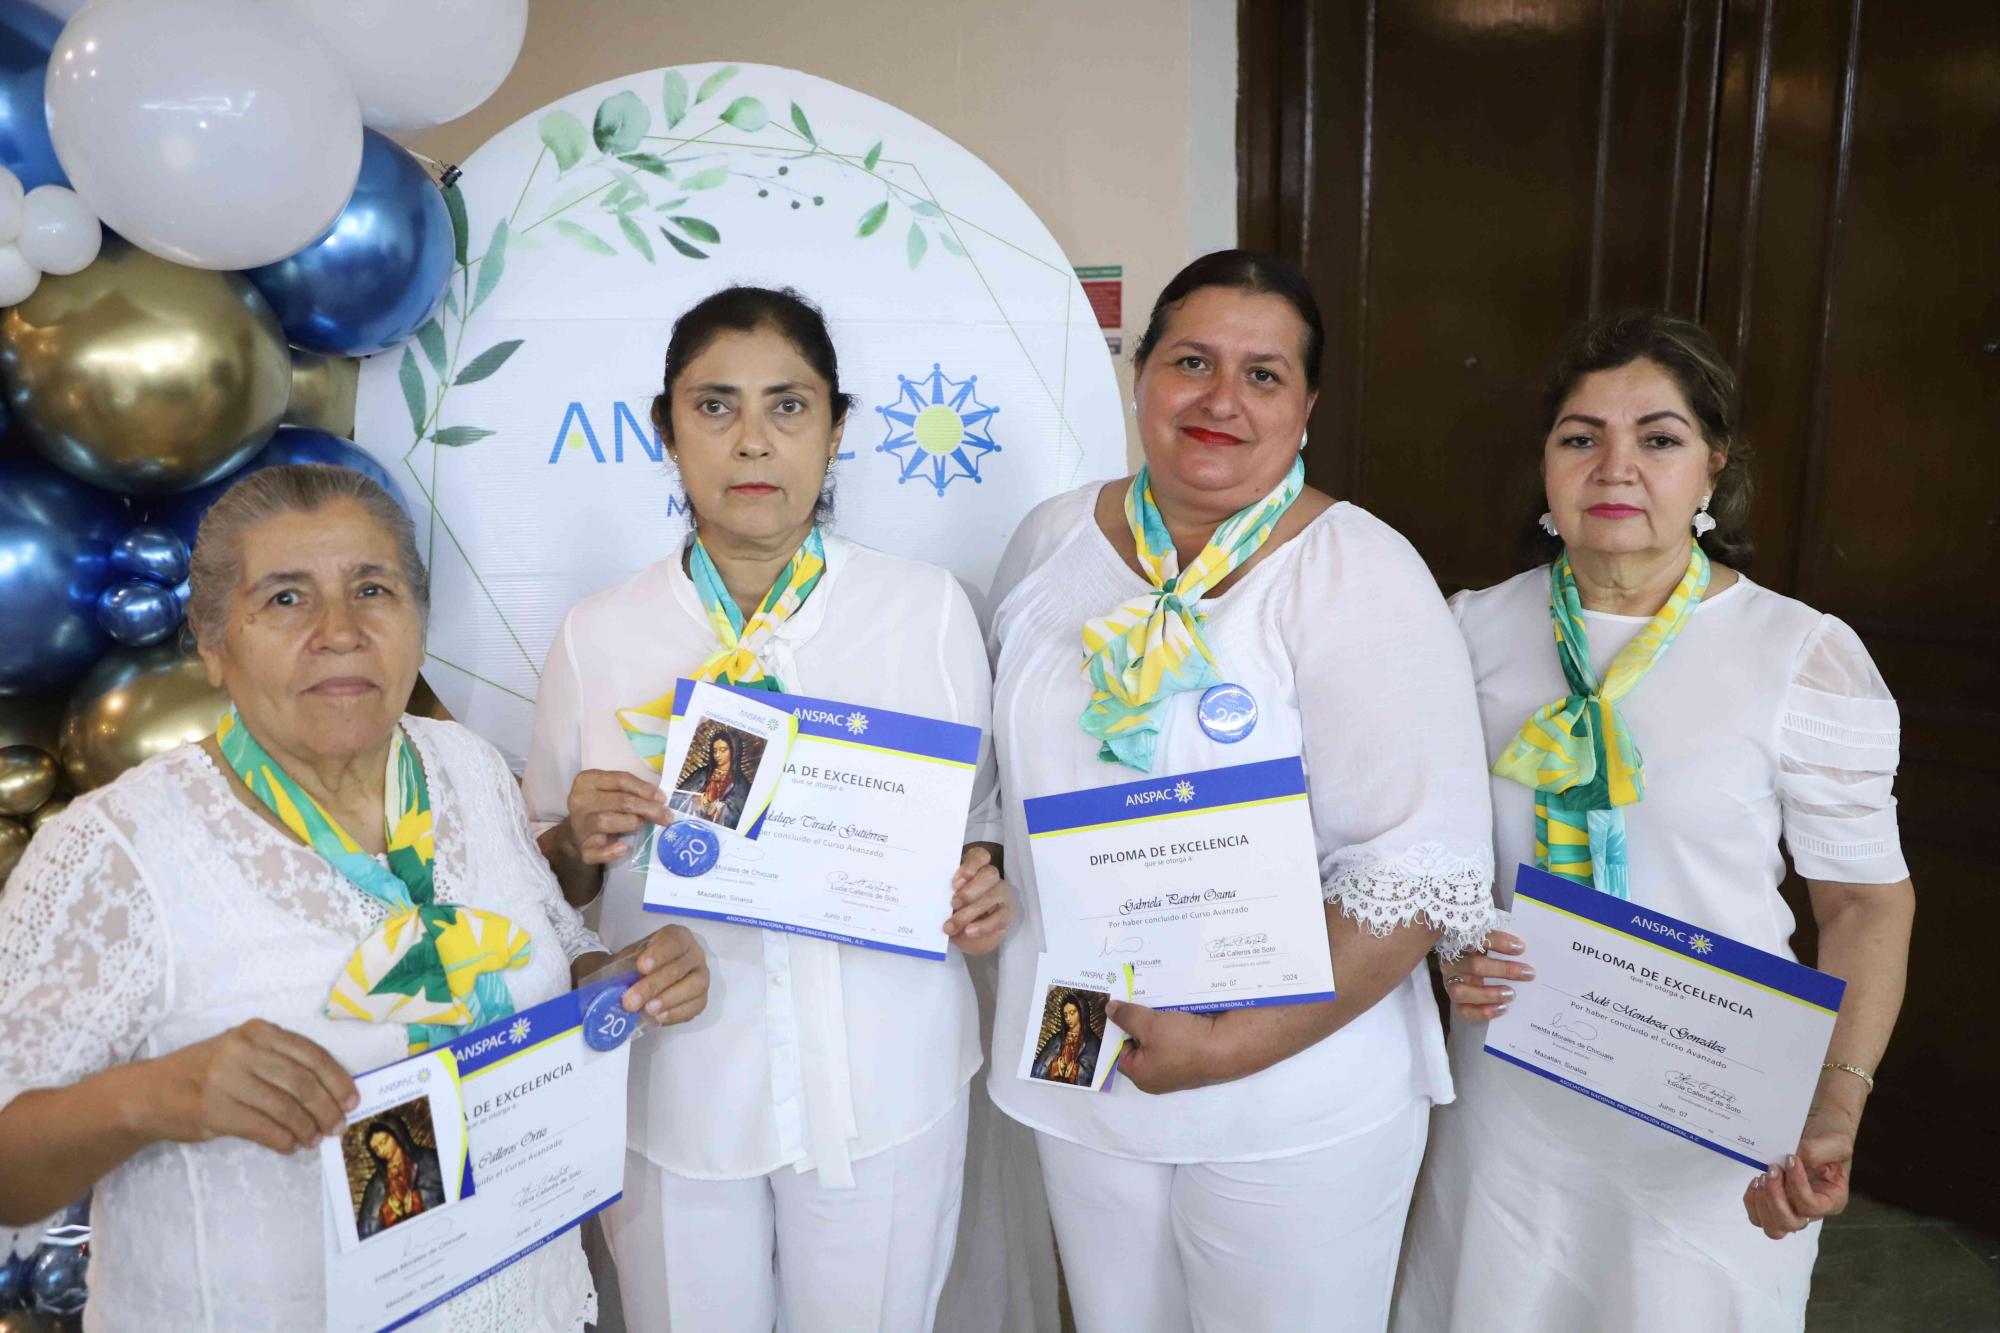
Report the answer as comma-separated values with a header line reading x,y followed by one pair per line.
x,y
718,789
1070,1053
406,1180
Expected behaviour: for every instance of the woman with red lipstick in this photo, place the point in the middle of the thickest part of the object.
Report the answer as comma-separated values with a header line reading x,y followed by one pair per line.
x,y
1750,719
796,1156
179,1019
1253,1168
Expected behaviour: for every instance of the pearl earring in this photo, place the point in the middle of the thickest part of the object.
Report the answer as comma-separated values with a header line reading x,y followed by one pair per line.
x,y
1134,405
1304,437
1703,524
1548,522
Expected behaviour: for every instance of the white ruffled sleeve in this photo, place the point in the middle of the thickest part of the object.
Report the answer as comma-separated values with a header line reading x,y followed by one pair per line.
x,y
1394,753
83,964
1837,755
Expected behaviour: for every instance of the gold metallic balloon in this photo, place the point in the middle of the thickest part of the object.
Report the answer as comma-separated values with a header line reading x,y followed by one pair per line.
x,y
50,808
14,837
27,778
142,376
33,719
323,389
134,704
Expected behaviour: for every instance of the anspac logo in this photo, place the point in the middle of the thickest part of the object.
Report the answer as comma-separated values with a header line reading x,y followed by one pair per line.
x,y
1698,942
937,430
1182,792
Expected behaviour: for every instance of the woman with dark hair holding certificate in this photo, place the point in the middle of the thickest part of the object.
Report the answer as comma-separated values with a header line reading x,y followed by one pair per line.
x,y
797,1158
1659,723
1238,739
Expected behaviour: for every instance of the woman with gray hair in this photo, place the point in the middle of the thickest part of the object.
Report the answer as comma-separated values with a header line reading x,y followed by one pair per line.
x,y
176,1016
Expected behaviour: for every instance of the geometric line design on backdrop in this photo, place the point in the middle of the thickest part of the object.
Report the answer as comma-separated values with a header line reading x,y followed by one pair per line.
x,y
937,430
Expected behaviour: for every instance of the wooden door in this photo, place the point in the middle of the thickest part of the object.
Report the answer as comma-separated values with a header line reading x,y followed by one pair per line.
x,y
1817,183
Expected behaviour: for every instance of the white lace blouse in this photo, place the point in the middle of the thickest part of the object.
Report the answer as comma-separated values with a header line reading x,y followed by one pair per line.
x,y
159,911
1343,640
810,1055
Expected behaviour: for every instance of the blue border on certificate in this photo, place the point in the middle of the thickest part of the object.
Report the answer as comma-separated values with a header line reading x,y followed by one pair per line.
x,y
1175,794
877,728
810,932
1214,1006
1689,941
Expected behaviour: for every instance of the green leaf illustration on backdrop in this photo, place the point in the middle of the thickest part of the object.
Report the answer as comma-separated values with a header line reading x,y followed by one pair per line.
x,y
692,149
621,123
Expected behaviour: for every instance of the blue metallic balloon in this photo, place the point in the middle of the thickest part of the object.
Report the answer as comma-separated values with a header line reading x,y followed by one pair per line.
x,y
57,1281
151,552
292,444
137,613
55,558
27,35
378,276
14,1281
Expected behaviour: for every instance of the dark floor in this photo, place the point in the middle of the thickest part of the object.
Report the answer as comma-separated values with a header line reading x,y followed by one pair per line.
x,y
1884,1270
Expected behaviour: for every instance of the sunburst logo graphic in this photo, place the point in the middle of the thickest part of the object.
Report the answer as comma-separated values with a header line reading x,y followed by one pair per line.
x,y
1701,944
1183,792
937,429
519,1032
857,723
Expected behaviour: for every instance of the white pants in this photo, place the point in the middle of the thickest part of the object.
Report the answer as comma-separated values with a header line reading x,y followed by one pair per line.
x,y
717,1256
1302,1242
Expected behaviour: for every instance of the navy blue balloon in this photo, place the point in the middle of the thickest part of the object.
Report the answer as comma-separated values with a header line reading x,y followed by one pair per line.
x,y
55,558
292,444
27,34
14,1281
57,1283
136,613
379,275
151,552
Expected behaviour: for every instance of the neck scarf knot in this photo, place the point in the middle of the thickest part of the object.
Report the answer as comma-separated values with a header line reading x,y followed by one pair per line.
x,y
1577,752
434,967
737,661
1151,647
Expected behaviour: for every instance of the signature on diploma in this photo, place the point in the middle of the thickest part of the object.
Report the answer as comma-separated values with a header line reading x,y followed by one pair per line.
x,y
1571,1027
1699,1089
1130,944
1223,944
861,888
537,1190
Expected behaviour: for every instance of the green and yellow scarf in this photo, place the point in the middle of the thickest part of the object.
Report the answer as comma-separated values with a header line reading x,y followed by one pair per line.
x,y
434,967
1149,648
737,661
1577,752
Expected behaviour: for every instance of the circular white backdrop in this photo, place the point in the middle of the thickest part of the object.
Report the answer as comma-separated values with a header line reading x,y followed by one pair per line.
x,y
518,421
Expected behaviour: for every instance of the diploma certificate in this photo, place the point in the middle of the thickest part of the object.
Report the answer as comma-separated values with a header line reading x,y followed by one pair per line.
x,y
1707,1038
860,841
463,1160
1206,883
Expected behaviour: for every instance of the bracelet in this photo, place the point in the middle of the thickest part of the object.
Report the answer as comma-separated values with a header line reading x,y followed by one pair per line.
x,y
1855,1070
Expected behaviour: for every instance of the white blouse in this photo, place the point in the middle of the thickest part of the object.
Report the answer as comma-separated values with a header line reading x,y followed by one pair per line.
x,y
810,1054
1343,640
1765,718
160,911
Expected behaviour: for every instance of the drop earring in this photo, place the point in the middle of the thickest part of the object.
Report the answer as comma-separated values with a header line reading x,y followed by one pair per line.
x,y
1703,524
1548,522
1305,436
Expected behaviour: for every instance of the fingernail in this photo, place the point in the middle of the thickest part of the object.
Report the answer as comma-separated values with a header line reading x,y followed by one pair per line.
x,y
1499,1010
1773,1173
1527,973
1506,992
656,1008
352,1102
1791,1160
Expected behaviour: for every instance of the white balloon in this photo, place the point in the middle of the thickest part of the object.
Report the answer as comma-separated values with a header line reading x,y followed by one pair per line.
x,y
214,133
18,278
10,206
59,233
418,63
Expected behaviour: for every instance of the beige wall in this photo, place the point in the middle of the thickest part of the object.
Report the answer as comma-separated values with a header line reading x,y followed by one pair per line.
x,y
1093,110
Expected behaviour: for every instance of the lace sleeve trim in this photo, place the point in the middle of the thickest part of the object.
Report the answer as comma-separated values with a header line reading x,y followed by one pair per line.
x,y
1426,882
